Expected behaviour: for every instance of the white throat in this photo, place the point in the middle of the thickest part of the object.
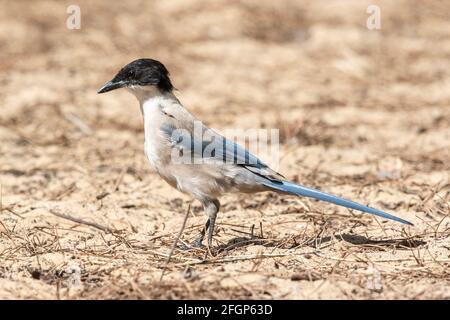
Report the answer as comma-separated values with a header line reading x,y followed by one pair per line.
x,y
143,94
150,96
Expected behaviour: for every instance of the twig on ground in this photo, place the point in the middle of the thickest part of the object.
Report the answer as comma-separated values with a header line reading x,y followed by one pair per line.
x,y
77,122
175,242
240,258
119,179
81,221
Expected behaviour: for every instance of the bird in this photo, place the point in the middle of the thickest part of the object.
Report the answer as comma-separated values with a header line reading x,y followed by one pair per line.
x,y
197,160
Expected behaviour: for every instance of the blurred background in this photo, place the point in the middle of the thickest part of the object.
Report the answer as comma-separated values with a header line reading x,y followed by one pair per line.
x,y
362,113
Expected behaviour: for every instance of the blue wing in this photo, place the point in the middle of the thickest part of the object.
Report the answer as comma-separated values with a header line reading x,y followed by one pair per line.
x,y
221,149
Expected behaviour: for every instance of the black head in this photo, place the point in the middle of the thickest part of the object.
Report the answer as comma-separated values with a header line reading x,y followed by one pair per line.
x,y
141,72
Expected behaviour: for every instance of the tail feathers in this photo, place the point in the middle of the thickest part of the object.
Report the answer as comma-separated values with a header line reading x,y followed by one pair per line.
x,y
299,190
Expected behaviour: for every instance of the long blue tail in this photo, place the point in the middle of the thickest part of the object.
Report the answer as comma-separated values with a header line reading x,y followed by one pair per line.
x,y
299,190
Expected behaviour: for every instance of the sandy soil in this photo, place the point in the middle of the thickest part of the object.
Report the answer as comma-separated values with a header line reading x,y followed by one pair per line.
x,y
363,114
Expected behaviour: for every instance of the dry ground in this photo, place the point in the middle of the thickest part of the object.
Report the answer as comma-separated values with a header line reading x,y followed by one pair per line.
x,y
363,114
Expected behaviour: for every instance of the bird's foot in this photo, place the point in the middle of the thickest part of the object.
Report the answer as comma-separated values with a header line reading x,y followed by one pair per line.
x,y
184,247
196,244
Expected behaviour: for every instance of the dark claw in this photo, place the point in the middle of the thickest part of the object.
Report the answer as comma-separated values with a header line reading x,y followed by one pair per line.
x,y
189,247
184,247
197,243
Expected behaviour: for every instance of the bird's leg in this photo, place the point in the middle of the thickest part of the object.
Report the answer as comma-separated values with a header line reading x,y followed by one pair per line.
x,y
212,222
211,209
198,241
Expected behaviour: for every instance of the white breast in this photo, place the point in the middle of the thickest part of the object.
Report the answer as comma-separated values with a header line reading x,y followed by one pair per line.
x,y
152,118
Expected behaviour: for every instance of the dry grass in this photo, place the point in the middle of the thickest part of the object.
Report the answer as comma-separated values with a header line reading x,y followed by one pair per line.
x,y
364,114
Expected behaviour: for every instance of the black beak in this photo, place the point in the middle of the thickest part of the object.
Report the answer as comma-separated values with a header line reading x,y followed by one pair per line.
x,y
110,85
